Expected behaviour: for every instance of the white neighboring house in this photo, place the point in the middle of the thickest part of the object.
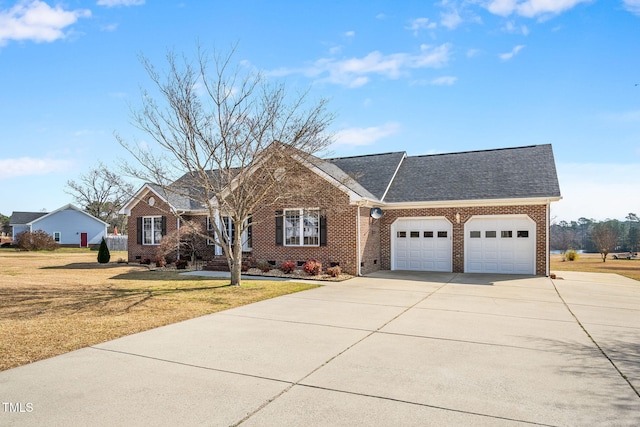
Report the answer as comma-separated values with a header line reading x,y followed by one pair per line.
x,y
69,226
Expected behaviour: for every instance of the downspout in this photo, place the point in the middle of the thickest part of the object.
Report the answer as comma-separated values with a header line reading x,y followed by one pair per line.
x,y
548,226
359,271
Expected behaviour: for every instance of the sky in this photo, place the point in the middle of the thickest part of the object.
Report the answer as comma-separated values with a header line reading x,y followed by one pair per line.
x,y
425,77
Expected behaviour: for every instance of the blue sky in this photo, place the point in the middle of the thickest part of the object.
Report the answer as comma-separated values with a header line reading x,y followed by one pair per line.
x,y
423,77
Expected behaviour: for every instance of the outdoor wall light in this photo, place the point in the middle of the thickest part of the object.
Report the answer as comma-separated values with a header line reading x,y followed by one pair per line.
x,y
458,217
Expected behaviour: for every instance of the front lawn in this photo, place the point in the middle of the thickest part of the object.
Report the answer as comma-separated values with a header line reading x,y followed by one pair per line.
x,y
592,263
55,302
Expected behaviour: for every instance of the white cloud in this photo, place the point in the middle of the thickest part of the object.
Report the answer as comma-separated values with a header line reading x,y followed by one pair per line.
x,y
365,136
444,81
632,6
597,191
115,3
472,53
110,27
25,166
507,56
350,33
418,24
355,72
37,21
512,27
438,81
450,19
532,8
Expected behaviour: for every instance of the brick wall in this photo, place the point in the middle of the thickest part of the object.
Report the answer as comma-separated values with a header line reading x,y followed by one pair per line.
x,y
341,223
139,251
370,260
536,212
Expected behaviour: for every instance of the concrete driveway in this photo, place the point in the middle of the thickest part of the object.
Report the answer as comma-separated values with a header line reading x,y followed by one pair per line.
x,y
392,348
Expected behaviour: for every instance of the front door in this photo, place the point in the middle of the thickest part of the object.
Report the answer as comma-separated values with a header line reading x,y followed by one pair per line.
x,y
83,240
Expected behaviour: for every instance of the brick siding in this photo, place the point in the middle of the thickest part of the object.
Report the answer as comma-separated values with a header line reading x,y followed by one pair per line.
x,y
341,247
342,235
536,212
141,209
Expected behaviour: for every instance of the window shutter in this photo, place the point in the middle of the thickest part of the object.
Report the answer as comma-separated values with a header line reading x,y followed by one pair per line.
x,y
323,230
279,232
164,225
139,230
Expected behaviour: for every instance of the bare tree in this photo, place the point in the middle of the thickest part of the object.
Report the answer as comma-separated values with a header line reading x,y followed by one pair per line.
x,y
229,133
605,238
563,236
101,193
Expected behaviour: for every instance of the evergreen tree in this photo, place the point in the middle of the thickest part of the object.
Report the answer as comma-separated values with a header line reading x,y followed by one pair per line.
x,y
103,253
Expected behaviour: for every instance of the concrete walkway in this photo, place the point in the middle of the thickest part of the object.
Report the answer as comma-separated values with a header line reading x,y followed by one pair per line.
x,y
394,348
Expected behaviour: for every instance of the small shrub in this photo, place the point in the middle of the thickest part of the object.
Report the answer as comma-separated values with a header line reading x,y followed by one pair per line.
x,y
122,261
145,261
335,271
571,255
265,267
160,261
182,264
169,259
103,253
288,267
312,267
35,241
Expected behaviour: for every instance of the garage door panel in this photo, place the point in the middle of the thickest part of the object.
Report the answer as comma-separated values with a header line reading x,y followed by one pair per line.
x,y
422,249
492,245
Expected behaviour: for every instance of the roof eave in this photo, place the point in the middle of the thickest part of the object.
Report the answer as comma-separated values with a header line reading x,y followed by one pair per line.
x,y
471,203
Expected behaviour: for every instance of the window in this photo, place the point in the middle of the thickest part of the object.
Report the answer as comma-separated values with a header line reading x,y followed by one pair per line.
x,y
56,236
490,234
474,234
152,227
414,234
506,234
229,228
428,234
302,227
523,233
442,234
402,234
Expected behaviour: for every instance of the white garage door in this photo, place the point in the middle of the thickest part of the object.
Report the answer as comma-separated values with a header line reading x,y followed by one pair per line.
x,y
500,244
421,244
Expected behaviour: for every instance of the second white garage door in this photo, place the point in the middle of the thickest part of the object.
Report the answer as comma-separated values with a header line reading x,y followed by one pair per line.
x,y
500,244
421,244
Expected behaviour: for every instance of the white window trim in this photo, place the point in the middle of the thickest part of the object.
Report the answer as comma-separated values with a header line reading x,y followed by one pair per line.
x,y
59,236
301,213
153,236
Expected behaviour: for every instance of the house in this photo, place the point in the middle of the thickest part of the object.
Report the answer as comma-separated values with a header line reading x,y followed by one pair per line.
x,y
477,212
69,226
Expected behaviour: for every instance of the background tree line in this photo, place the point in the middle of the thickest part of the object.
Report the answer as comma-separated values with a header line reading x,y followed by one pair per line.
x,y
594,236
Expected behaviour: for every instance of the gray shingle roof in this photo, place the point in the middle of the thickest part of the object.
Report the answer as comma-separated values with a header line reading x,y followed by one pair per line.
x,y
522,172
507,173
22,218
374,172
